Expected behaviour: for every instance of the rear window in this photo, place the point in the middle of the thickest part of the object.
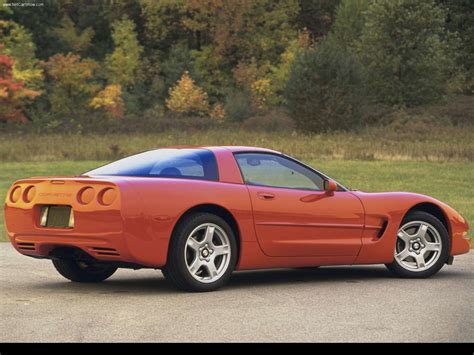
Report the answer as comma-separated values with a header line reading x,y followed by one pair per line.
x,y
173,163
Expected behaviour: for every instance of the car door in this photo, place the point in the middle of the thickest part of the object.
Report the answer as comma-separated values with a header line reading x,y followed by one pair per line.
x,y
293,215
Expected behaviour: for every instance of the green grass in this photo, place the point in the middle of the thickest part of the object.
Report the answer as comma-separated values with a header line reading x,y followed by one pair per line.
x,y
448,181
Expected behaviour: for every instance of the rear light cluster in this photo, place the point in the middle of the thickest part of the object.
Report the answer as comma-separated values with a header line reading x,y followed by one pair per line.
x,y
105,196
15,194
27,195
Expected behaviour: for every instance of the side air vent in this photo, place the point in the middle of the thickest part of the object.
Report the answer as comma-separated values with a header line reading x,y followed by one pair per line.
x,y
26,246
105,251
382,229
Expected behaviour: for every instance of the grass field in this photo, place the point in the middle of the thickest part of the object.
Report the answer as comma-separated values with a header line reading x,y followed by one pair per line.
x,y
414,142
448,181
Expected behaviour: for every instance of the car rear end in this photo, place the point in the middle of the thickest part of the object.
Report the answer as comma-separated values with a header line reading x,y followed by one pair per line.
x,y
46,217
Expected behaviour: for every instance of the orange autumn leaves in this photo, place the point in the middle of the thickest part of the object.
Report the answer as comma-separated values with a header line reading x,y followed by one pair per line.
x,y
13,93
110,100
187,98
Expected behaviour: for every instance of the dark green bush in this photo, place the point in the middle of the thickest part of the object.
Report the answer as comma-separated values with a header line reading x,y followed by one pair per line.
x,y
238,106
326,89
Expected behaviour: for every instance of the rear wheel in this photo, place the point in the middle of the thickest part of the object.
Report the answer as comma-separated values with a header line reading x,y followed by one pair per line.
x,y
202,253
81,271
422,246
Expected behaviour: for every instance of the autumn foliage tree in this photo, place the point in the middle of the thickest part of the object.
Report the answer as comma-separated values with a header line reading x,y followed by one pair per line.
x,y
72,85
93,60
187,98
13,94
18,45
110,100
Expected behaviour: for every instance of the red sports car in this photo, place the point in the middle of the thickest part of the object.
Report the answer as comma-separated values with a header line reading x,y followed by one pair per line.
x,y
199,213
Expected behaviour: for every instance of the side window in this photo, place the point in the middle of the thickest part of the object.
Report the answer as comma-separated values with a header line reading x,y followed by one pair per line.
x,y
277,171
178,167
175,163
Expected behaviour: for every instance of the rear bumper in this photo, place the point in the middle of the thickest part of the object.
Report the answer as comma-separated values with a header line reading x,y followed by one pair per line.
x,y
110,247
120,247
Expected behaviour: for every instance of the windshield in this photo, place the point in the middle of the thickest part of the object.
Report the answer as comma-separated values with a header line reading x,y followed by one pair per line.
x,y
175,163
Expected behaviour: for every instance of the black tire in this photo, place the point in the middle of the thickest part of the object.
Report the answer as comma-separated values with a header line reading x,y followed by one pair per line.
x,y
165,273
399,271
176,270
78,271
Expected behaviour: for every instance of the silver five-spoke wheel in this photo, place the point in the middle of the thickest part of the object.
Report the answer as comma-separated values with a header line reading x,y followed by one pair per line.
x,y
418,246
207,252
202,253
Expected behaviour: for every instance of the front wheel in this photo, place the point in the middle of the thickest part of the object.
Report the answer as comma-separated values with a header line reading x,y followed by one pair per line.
x,y
81,271
202,253
422,246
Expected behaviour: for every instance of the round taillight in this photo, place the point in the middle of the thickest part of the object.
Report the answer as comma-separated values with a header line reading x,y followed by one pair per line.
x,y
29,194
86,195
15,194
107,196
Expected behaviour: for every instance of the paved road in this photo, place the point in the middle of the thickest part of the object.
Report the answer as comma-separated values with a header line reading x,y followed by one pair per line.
x,y
327,304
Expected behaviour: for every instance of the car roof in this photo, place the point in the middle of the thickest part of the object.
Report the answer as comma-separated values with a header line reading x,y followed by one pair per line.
x,y
232,148
235,149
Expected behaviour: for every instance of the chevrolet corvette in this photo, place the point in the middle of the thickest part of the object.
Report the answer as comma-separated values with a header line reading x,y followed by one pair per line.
x,y
199,213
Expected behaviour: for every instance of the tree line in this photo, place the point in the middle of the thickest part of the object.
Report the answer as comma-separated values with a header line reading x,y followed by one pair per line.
x,y
67,63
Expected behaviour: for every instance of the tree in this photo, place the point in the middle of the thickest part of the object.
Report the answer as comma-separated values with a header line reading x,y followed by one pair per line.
x,y
163,25
178,61
405,47
110,100
270,27
71,39
19,45
226,34
38,21
317,16
326,89
241,29
124,63
217,112
98,16
4,9
187,98
460,19
13,94
350,21
212,71
71,85
280,73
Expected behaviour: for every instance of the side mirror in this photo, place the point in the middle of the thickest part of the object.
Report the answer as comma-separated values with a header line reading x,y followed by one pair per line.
x,y
330,185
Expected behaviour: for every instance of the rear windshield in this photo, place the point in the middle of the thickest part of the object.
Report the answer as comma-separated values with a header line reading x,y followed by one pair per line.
x,y
173,163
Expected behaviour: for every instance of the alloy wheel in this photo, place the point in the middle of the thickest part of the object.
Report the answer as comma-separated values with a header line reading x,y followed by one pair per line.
x,y
418,246
207,253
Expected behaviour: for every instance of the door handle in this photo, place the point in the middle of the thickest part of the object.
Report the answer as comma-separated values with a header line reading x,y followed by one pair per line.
x,y
265,196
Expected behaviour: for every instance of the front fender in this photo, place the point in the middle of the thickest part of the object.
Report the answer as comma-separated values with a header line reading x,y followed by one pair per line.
x,y
384,213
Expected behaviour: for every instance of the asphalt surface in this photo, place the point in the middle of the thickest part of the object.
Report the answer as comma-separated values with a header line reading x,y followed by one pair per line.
x,y
358,303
